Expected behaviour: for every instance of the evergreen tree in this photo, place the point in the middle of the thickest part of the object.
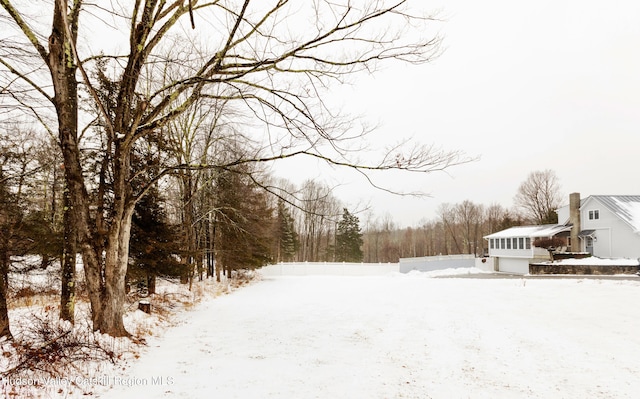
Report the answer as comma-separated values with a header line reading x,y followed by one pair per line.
x,y
153,244
9,216
14,238
349,239
286,236
244,221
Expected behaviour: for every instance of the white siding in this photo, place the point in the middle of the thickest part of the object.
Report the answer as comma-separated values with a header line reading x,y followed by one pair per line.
x,y
613,237
625,245
514,265
563,214
602,243
512,253
486,264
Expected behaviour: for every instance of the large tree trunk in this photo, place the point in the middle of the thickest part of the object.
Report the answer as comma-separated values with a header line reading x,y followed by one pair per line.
x,y
5,332
188,222
111,320
105,285
68,290
151,283
63,74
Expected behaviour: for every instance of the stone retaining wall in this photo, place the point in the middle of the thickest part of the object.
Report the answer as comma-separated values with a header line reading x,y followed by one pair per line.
x,y
539,268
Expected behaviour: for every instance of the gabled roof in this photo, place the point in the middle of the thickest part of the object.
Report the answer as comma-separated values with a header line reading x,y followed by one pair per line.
x,y
545,230
626,207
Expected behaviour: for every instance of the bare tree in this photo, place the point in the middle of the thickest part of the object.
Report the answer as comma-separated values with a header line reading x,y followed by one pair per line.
x,y
470,216
431,239
493,216
539,196
370,237
319,213
264,57
449,220
389,240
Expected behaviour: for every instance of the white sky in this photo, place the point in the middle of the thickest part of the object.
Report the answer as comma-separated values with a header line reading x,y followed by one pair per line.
x,y
524,86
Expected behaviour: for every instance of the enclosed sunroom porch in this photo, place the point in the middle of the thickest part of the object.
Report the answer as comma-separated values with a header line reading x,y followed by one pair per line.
x,y
515,247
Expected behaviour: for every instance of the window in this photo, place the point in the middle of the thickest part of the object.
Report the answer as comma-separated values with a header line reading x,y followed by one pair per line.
x,y
527,242
595,214
521,243
508,243
491,243
502,246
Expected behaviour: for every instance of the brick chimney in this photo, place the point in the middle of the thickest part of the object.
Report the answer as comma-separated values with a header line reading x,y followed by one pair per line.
x,y
574,219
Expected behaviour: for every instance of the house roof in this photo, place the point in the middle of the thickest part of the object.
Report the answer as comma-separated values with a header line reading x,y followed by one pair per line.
x,y
626,207
545,230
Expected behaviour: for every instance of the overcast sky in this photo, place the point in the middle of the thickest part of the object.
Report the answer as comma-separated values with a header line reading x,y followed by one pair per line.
x,y
524,86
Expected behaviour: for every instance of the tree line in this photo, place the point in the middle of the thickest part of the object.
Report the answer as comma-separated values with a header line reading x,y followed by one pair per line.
x,y
459,228
456,228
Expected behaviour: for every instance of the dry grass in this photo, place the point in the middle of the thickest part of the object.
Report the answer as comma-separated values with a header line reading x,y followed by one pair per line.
x,y
46,348
35,299
48,354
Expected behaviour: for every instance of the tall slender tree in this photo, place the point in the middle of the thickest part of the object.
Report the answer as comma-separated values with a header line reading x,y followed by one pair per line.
x,y
285,234
9,219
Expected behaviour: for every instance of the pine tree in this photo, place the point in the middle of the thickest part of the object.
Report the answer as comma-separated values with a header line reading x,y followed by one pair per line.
x,y
286,236
153,244
349,239
8,216
244,221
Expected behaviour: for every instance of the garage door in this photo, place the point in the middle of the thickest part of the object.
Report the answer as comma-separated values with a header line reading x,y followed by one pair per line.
x,y
514,265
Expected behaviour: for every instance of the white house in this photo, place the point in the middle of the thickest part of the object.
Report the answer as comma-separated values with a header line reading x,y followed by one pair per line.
x,y
607,226
512,249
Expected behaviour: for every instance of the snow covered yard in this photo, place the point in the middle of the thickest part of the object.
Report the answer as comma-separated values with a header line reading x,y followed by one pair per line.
x,y
398,336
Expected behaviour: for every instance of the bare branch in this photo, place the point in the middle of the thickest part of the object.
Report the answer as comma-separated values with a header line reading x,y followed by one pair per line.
x,y
24,27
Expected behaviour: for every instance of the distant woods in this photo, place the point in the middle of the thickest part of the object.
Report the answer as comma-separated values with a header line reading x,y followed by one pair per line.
x,y
208,222
457,229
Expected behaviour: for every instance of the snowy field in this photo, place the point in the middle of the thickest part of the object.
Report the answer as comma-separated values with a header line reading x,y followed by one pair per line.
x,y
398,336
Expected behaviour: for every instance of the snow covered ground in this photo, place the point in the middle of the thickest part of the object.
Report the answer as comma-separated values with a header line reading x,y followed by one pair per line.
x,y
397,336
595,261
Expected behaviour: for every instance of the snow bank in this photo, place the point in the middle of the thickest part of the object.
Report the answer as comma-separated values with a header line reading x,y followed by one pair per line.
x,y
458,271
594,261
328,269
